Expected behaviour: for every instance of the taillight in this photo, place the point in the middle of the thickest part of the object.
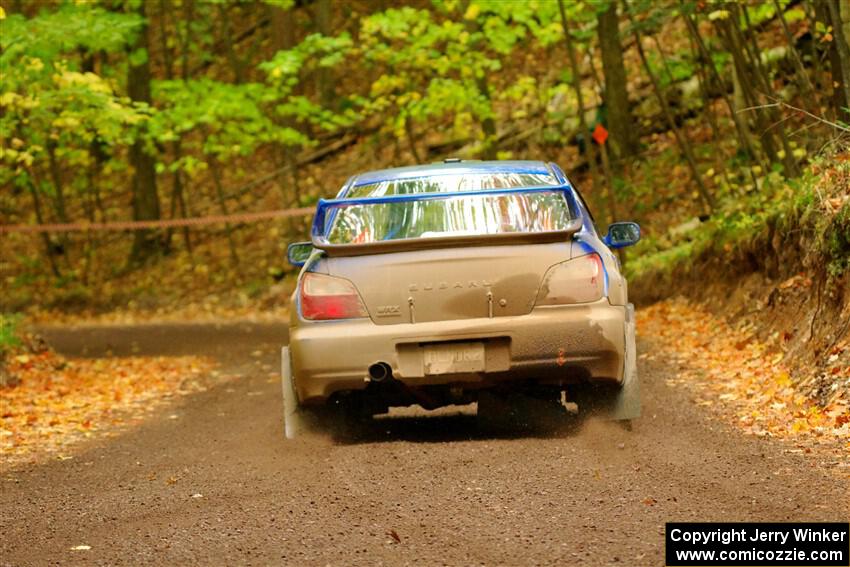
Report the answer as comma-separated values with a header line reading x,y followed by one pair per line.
x,y
580,280
326,297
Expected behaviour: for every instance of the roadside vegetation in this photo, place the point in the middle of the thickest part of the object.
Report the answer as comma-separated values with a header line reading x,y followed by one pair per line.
x,y
809,215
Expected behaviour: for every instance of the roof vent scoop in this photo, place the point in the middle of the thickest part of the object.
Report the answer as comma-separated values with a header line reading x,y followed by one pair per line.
x,y
452,160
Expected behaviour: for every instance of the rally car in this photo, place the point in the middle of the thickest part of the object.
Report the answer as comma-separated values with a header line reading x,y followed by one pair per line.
x,y
459,282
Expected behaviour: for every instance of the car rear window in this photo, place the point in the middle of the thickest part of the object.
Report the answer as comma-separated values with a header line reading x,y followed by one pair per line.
x,y
450,182
452,216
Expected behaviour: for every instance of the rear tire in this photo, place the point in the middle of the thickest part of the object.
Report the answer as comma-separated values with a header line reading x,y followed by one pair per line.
x,y
615,402
517,411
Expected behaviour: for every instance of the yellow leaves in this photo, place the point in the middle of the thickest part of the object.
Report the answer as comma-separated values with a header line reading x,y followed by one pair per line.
x,y
472,11
719,15
66,122
387,84
9,98
783,379
2,13
92,81
33,64
731,366
59,402
15,156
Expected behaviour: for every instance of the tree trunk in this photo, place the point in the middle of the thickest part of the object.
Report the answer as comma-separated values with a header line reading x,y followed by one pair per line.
x,y
746,76
803,80
684,144
176,146
488,124
745,140
58,187
282,28
233,58
412,139
282,36
145,196
757,88
571,54
623,131
324,75
772,114
32,183
222,203
841,75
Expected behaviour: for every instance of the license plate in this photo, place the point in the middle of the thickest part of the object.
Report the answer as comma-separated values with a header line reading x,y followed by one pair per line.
x,y
454,358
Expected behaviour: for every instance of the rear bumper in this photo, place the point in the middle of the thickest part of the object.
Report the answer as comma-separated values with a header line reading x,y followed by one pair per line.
x,y
556,344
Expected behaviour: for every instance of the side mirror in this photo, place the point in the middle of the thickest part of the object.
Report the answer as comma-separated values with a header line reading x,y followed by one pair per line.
x,y
299,252
622,234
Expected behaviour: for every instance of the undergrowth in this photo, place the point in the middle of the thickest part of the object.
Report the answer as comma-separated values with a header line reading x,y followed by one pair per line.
x,y
806,220
8,332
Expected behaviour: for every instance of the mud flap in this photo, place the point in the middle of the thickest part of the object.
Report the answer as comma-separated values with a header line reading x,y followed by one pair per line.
x,y
626,404
294,421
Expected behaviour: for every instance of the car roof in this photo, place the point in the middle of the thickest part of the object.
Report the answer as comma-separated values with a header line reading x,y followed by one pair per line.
x,y
453,168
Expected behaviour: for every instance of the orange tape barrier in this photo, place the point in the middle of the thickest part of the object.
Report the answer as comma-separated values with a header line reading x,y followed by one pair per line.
x,y
143,225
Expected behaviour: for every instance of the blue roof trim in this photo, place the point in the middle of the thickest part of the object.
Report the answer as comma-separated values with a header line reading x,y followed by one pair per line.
x,y
318,229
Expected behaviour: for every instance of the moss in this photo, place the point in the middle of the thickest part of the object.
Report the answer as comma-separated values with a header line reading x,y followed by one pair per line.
x,y
837,242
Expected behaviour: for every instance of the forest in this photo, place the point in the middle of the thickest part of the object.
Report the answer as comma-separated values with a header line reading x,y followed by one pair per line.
x,y
157,156
180,109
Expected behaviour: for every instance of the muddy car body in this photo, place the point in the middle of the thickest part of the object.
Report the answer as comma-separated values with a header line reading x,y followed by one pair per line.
x,y
440,284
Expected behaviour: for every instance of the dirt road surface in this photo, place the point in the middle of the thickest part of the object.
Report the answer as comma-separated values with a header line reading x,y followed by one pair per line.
x,y
219,485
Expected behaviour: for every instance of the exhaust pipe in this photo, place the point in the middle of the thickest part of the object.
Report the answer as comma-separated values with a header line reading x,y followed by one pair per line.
x,y
380,371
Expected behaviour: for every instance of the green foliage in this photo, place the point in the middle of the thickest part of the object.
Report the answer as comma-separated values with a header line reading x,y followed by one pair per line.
x,y
71,27
315,51
837,242
744,226
48,100
8,331
287,68
282,4
447,64
230,118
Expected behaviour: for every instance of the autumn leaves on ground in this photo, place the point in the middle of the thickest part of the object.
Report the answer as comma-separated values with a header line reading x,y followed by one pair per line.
x,y
52,404
742,381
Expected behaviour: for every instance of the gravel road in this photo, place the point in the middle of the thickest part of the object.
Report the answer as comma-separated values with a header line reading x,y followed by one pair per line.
x,y
218,484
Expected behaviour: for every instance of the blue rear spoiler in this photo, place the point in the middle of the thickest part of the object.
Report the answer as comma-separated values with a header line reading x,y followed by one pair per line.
x,y
317,233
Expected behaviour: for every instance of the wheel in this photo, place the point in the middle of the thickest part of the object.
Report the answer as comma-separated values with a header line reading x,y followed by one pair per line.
x,y
616,402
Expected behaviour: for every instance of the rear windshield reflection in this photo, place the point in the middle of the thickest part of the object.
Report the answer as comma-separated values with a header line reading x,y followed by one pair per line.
x,y
453,216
